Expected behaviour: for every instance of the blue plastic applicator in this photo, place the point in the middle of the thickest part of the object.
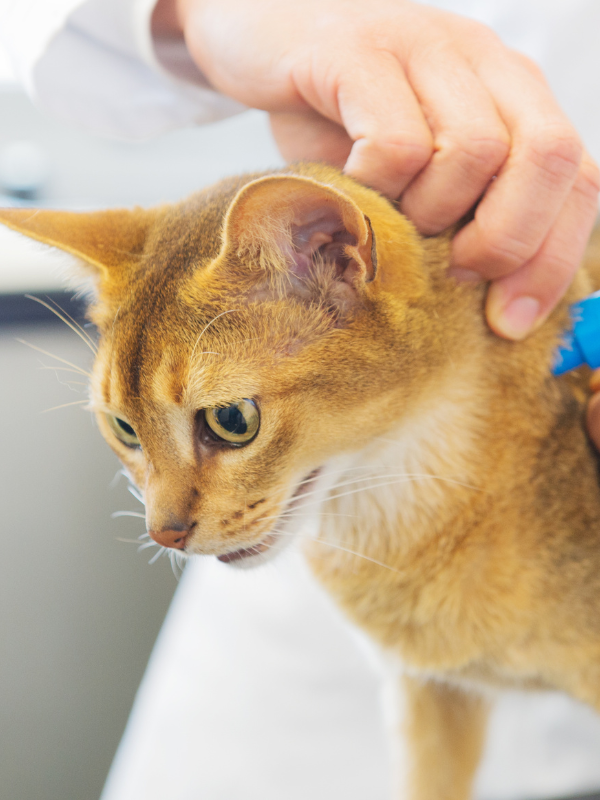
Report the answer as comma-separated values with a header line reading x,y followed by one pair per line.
x,y
582,344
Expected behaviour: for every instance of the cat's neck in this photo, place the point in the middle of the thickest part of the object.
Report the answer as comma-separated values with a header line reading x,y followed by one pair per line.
x,y
407,484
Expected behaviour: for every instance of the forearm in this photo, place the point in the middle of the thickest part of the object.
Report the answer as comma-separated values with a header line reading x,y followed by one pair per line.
x,y
94,64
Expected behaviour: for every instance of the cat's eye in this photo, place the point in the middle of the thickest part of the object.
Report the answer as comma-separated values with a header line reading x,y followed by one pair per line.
x,y
123,431
237,423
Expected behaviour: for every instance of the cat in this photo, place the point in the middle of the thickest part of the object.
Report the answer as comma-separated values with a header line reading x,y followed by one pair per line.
x,y
287,343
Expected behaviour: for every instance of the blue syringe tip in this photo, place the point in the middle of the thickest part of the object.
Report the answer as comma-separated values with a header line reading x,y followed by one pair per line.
x,y
582,344
568,357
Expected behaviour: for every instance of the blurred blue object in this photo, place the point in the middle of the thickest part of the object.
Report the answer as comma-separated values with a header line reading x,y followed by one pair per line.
x,y
582,344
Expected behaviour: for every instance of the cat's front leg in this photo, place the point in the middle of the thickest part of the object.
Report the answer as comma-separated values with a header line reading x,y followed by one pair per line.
x,y
437,738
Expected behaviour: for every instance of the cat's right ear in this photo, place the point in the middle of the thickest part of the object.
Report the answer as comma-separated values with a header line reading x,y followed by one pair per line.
x,y
107,243
283,223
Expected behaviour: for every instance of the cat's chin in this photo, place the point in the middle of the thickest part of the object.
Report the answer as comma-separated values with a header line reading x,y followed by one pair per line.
x,y
260,553
274,542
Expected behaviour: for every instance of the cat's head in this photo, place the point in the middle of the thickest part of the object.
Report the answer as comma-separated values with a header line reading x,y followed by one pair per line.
x,y
247,336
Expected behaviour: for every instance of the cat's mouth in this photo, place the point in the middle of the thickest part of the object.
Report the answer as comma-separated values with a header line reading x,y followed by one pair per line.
x,y
270,539
248,552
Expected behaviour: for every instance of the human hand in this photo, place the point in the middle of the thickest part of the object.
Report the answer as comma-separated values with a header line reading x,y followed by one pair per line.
x,y
426,106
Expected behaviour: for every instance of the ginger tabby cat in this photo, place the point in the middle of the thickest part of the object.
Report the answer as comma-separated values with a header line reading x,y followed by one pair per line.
x,y
287,342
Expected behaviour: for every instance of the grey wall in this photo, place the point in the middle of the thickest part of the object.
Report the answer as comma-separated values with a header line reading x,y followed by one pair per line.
x,y
85,170
79,610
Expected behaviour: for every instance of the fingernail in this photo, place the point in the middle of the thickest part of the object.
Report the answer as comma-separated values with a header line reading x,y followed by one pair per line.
x,y
464,275
518,318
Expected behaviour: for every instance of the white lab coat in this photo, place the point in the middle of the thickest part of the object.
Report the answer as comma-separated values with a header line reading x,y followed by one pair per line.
x,y
256,688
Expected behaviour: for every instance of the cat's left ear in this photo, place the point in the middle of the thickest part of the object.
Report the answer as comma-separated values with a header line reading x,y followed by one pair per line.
x,y
285,223
108,243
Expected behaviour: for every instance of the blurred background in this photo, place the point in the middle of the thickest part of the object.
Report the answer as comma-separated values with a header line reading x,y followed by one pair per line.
x,y
79,606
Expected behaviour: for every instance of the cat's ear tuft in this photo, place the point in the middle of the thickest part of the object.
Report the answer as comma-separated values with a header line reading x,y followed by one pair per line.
x,y
290,224
107,242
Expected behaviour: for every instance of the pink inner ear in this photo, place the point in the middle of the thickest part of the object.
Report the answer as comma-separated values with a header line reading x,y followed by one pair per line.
x,y
322,230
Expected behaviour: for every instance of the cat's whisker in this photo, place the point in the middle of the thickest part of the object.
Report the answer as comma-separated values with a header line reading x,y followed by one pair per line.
x,y
403,478
118,475
157,555
340,547
114,321
146,545
356,553
336,486
285,515
58,358
134,491
206,327
32,216
70,383
66,405
416,476
340,485
63,369
68,320
116,514
178,561
337,472
127,541
79,326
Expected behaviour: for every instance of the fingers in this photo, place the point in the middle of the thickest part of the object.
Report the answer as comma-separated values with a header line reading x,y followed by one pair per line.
x,y
531,227
392,140
471,143
519,208
521,300
309,136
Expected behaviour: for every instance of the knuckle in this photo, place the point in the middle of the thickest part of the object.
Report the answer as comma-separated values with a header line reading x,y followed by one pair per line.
x,y
484,152
410,154
477,32
505,250
557,153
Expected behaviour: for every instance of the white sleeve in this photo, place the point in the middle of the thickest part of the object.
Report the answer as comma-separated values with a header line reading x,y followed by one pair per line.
x,y
93,63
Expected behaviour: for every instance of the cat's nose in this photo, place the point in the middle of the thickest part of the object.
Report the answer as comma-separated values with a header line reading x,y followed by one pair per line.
x,y
171,537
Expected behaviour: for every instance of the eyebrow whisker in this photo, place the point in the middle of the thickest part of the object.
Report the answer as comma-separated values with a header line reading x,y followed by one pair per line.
x,y
66,405
58,358
67,319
